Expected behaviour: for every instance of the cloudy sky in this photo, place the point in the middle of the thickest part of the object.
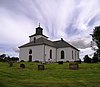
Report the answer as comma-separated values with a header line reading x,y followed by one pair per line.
x,y
73,20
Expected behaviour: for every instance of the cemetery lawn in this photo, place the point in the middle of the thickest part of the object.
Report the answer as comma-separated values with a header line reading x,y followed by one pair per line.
x,y
55,75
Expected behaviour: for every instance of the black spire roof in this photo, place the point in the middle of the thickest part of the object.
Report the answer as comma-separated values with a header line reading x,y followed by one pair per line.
x,y
39,31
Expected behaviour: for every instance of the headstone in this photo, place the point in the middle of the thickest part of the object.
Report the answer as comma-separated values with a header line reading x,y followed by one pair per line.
x,y
41,67
22,66
10,63
73,66
60,62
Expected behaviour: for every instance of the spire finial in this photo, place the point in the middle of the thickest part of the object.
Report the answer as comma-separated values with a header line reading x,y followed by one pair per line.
x,y
39,24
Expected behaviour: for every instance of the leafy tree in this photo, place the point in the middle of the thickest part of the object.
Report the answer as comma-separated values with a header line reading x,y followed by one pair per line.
x,y
87,59
15,59
3,56
95,58
96,38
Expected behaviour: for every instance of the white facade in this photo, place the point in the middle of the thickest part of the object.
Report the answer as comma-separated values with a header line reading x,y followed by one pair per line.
x,y
69,54
47,53
37,53
36,37
44,50
42,53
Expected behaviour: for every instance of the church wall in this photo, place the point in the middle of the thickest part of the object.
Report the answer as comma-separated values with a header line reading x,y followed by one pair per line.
x,y
38,36
74,54
37,53
23,55
47,53
68,55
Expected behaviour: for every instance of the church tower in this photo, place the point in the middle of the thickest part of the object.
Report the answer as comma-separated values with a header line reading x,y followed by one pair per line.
x,y
39,30
38,34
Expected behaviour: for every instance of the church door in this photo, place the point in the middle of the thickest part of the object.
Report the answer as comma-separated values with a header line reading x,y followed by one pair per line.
x,y
30,58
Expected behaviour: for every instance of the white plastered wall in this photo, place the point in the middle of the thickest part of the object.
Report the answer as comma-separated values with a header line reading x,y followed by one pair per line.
x,y
37,53
47,53
38,36
67,54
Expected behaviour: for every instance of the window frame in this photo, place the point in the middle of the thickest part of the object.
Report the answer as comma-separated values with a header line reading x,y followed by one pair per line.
x,y
62,54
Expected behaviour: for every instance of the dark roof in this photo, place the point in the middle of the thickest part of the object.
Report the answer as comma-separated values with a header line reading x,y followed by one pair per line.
x,y
58,44
36,35
39,41
62,44
39,31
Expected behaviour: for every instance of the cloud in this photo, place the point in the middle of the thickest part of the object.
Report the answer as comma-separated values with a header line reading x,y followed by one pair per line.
x,y
81,43
16,49
8,50
86,51
73,20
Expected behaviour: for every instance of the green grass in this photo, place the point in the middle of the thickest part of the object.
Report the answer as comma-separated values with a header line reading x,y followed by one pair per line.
x,y
54,75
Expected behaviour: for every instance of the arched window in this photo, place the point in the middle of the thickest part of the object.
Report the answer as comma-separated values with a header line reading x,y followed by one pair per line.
x,y
72,55
75,55
30,58
62,54
30,51
50,54
34,39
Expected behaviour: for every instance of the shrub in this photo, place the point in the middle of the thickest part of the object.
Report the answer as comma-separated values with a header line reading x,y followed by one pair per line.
x,y
87,59
2,60
15,59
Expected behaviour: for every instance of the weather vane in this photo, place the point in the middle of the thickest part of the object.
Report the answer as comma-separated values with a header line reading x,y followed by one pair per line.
x,y
39,24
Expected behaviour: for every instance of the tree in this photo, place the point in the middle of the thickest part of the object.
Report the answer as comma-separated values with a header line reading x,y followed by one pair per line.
x,y
14,59
3,56
96,38
95,58
87,59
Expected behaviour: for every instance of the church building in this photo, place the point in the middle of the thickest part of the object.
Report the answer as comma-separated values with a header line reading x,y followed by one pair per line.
x,y
41,49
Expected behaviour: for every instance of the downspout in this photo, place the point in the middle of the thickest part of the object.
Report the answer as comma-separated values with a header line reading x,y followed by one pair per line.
x,y
56,54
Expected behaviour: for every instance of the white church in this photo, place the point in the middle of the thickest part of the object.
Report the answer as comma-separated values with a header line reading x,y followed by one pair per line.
x,y
41,49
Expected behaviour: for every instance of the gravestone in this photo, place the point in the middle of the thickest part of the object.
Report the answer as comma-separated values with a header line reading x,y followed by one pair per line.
x,y
22,66
41,67
10,63
60,62
73,66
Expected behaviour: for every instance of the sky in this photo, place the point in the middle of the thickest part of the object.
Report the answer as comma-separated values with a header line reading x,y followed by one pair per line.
x,y
72,20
